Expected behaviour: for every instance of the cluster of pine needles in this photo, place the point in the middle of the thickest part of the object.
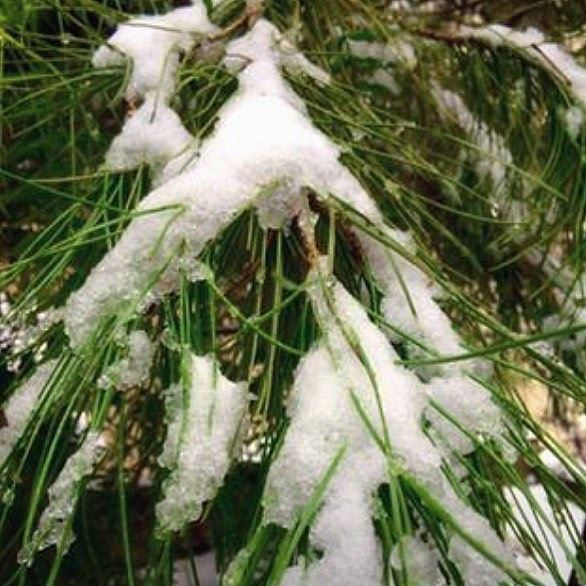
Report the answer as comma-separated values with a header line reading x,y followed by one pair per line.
x,y
60,212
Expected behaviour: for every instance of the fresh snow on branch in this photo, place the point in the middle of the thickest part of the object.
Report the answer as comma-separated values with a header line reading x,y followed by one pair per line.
x,y
264,153
54,526
349,376
493,157
20,407
135,368
154,135
245,162
153,45
202,430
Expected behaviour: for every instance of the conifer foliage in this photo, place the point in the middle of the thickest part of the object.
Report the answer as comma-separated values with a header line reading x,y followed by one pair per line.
x,y
276,272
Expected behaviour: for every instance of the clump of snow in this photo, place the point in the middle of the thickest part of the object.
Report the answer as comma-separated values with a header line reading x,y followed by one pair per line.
x,y
574,118
352,365
153,44
277,203
21,406
153,135
493,157
469,404
549,55
202,428
409,304
324,420
417,559
409,295
54,526
472,564
134,369
244,163
343,528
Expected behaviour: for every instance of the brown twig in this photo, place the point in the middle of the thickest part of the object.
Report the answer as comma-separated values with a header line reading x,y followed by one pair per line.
x,y
251,13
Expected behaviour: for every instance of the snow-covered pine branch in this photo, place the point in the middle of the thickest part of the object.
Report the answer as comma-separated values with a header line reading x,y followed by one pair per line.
x,y
351,402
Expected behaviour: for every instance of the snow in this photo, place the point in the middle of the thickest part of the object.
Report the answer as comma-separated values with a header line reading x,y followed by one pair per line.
x,y
409,305
153,44
54,526
246,163
394,51
264,153
556,535
574,119
493,157
135,368
549,55
243,163
411,309
21,405
420,561
354,364
201,437
153,135
469,404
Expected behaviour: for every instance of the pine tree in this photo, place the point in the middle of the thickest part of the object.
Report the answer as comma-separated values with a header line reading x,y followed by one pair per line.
x,y
276,273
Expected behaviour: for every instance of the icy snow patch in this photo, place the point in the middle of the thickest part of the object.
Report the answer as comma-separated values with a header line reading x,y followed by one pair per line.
x,y
134,369
54,526
21,406
202,428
